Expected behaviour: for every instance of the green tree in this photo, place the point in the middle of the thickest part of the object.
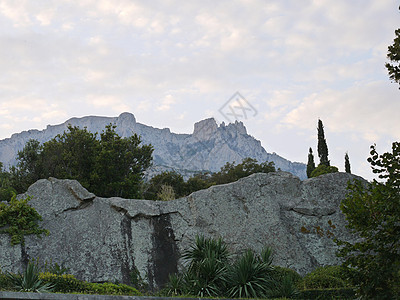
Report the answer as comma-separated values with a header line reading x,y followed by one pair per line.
x,y
169,178
120,165
322,169
231,172
310,163
6,189
322,146
109,166
347,163
394,56
372,211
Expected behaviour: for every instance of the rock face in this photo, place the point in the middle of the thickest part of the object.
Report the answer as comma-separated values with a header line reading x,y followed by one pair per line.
x,y
207,149
105,239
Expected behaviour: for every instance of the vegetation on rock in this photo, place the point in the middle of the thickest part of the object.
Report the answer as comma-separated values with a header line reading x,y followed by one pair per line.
x,y
18,218
373,213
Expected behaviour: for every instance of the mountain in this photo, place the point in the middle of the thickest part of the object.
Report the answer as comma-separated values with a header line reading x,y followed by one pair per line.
x,y
208,148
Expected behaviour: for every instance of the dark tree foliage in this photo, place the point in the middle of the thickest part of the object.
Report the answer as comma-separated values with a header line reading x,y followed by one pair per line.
x,y
231,172
373,213
322,146
394,56
6,190
322,169
347,163
310,163
171,178
120,165
109,166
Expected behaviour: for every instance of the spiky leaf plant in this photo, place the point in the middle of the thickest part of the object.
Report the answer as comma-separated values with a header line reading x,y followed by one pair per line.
x,y
249,276
29,280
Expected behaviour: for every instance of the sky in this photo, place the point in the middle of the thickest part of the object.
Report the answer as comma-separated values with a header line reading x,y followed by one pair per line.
x,y
276,65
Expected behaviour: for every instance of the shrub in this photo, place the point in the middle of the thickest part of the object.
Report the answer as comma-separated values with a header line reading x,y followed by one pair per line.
x,y
278,273
63,283
340,293
321,281
109,288
323,169
69,284
19,219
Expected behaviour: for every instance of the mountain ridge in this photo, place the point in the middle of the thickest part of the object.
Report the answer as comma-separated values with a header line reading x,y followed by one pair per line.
x,y
207,148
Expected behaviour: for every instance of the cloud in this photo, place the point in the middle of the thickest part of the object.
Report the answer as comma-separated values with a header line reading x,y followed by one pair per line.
x,y
367,109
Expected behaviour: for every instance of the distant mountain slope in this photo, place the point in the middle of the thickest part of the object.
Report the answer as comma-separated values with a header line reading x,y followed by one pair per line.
x,y
209,147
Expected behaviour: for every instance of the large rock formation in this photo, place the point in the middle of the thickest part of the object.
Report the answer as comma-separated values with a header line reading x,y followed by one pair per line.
x,y
104,239
207,149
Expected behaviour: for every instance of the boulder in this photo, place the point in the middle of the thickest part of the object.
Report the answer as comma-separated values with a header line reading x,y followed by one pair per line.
x,y
101,239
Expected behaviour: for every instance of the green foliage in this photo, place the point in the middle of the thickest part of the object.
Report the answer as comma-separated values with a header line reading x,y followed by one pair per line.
x,y
322,146
155,185
231,172
108,166
6,190
250,276
327,294
321,281
347,163
5,283
29,281
310,163
394,56
69,284
137,281
323,169
208,258
211,273
279,273
18,218
373,213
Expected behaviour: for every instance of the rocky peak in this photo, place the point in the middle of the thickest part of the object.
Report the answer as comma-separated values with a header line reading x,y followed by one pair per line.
x,y
204,129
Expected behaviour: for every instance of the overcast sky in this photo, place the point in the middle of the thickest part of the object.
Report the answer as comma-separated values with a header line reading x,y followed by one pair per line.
x,y
173,63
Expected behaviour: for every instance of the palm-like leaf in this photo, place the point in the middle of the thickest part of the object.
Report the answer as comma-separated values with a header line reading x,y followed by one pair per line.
x,y
249,276
29,281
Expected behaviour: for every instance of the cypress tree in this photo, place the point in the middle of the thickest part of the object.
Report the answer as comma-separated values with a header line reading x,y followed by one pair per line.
x,y
322,146
347,163
310,163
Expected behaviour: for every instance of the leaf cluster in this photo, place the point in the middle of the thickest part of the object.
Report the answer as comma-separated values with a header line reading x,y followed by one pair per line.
x,y
18,218
373,214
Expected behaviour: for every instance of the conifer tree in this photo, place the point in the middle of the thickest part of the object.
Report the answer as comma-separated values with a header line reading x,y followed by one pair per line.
x,y
347,163
322,146
310,163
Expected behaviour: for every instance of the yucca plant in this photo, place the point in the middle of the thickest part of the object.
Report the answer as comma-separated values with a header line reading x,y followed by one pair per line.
x,y
249,276
208,260
29,280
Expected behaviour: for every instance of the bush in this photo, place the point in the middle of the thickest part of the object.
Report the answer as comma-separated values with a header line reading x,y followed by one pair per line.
x,y
341,293
63,283
325,277
69,284
323,169
279,273
20,219
109,288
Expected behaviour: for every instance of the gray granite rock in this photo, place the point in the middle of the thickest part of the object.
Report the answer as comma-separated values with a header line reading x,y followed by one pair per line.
x,y
105,239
